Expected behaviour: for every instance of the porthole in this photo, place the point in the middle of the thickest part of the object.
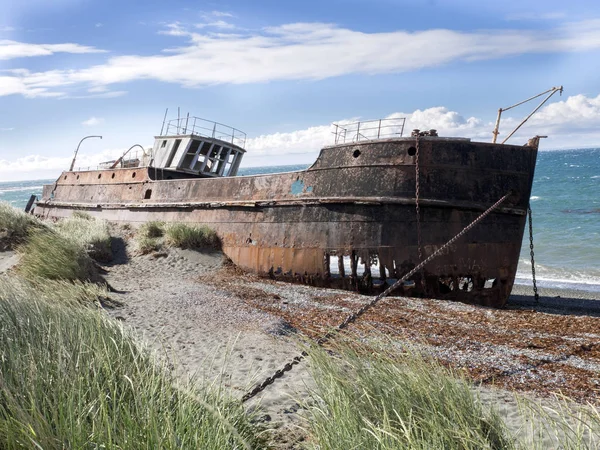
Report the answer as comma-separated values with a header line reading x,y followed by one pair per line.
x,y
148,194
133,175
356,153
412,151
78,177
65,177
113,175
99,175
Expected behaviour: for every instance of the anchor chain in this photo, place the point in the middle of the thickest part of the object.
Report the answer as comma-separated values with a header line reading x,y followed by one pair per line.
x,y
417,194
363,309
535,289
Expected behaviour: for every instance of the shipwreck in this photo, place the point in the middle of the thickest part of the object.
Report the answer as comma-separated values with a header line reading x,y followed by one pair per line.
x,y
369,209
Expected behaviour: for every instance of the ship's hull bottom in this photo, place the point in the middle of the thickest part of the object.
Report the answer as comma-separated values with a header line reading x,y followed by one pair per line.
x,y
350,272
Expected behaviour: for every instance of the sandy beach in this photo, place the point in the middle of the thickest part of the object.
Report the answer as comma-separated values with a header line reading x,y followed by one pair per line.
x,y
232,329
223,326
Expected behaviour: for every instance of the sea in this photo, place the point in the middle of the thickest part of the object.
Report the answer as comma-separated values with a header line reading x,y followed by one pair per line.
x,y
565,202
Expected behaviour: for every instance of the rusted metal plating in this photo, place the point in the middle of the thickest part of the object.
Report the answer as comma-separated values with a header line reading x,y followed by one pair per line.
x,y
349,220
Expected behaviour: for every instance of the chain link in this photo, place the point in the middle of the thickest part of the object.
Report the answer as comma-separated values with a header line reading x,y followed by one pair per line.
x,y
417,194
363,309
535,289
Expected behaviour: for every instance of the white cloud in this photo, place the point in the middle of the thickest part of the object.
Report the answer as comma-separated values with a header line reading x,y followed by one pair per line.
x,y
7,129
571,123
7,29
92,121
302,51
36,166
96,94
99,25
174,29
217,24
14,49
220,14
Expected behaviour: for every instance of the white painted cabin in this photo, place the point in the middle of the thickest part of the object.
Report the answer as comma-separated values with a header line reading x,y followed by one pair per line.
x,y
198,147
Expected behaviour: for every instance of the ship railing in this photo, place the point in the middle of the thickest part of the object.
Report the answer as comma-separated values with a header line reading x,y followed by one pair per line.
x,y
205,128
137,158
367,130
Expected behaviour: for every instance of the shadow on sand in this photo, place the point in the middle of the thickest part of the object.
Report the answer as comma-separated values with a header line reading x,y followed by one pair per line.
x,y
558,304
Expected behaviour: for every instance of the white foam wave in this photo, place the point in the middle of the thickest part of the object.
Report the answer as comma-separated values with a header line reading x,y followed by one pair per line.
x,y
533,198
595,176
21,189
558,278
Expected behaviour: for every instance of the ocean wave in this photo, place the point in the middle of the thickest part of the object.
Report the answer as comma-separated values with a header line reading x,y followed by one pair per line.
x,y
561,278
533,198
559,284
20,189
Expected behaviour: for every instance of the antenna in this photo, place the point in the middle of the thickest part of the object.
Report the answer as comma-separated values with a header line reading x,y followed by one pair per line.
x,y
164,119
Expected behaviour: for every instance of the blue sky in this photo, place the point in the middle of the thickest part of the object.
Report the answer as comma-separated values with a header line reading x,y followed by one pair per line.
x,y
282,71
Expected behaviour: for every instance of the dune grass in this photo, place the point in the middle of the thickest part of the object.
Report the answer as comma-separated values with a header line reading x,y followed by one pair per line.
x,y
148,237
70,293
145,245
151,236
191,236
91,233
559,423
48,254
16,224
375,401
72,378
152,229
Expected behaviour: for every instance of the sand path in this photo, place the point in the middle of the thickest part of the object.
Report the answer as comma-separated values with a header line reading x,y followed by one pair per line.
x,y
223,326
208,332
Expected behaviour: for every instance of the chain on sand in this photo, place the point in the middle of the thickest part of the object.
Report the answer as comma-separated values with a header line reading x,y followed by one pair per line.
x,y
355,315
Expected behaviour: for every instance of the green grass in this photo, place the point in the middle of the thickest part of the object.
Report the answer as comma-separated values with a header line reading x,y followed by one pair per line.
x,y
72,293
90,233
48,254
560,424
148,237
16,224
151,236
367,400
191,236
152,229
145,245
71,378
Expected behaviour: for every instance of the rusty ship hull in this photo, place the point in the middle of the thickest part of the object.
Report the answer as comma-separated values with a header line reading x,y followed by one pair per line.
x,y
349,220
